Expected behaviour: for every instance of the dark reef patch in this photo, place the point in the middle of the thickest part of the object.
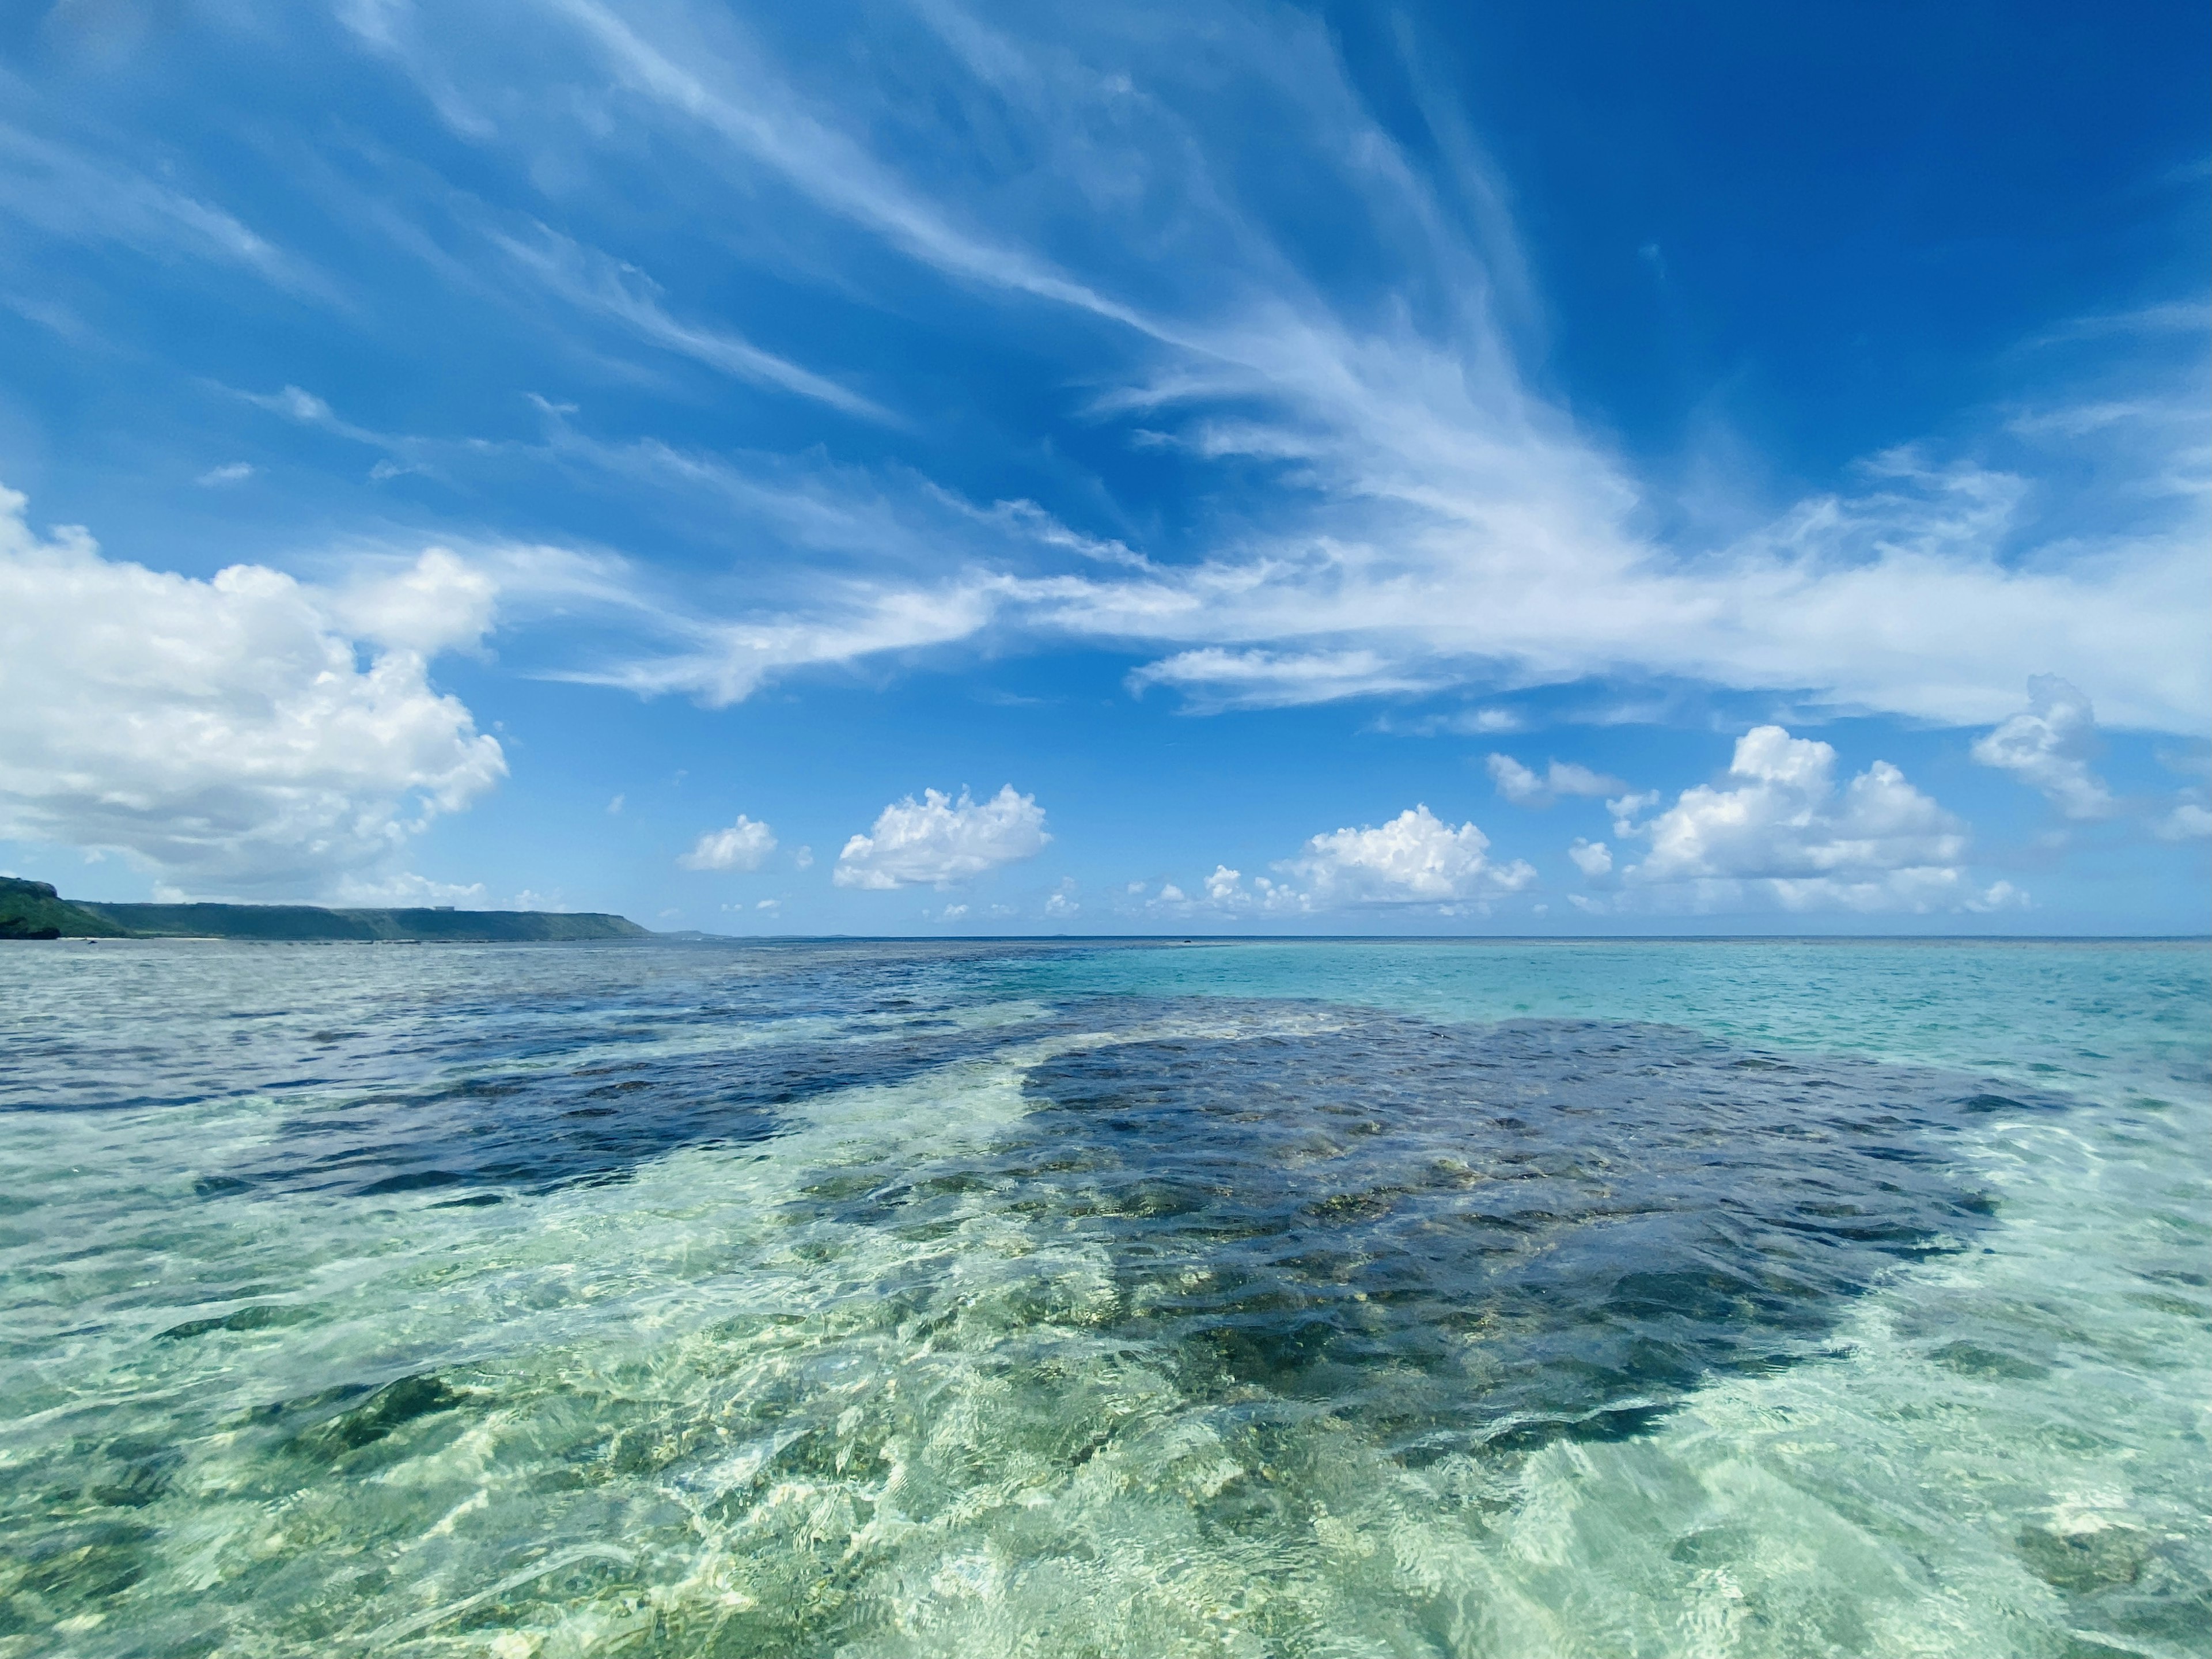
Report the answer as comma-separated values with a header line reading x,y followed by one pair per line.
x,y
1477,1236
525,1110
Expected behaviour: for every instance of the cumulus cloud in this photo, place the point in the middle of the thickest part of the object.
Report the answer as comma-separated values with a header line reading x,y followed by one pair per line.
x,y
224,731
2050,746
1414,858
1593,858
433,602
937,840
1782,830
2186,822
744,845
1524,788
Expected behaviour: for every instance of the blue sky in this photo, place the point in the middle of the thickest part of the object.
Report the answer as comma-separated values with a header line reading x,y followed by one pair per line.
x,y
910,468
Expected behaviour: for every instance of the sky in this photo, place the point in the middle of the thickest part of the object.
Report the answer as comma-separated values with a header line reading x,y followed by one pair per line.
x,y
913,468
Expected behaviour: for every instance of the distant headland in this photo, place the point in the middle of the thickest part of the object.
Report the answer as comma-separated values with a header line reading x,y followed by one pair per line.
x,y
33,910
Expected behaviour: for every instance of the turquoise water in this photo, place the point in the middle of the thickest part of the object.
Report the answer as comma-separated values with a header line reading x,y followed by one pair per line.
x,y
1308,1298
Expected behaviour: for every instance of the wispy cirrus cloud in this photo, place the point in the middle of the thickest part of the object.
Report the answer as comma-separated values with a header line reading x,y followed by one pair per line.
x,y
1433,521
591,280
1411,511
66,192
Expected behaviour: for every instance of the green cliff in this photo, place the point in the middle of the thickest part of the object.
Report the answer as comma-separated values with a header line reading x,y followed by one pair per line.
x,y
32,910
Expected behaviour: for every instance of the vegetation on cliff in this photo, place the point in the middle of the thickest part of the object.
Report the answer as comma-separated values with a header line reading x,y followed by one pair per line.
x,y
32,910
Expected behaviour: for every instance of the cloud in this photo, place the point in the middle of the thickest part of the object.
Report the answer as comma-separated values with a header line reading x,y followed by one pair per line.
x,y
734,98
1217,678
1061,901
937,840
593,282
1415,858
1786,833
1624,808
744,845
2186,822
1525,788
1384,501
222,731
1463,722
2050,748
724,662
75,198
434,602
230,472
406,890
1593,858
1420,517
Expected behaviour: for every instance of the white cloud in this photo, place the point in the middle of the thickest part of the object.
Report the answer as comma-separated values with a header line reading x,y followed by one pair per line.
x,y
803,858
404,890
744,845
1461,722
1625,807
1217,679
615,807
2050,748
770,905
590,280
222,731
1525,788
1414,858
1061,903
1593,858
230,472
937,840
1784,832
2186,822
435,602
77,197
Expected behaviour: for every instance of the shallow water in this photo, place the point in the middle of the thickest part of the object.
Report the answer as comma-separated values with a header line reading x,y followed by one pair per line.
x,y
1312,1298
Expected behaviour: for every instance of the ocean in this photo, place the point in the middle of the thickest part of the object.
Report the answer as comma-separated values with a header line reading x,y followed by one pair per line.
x,y
972,1298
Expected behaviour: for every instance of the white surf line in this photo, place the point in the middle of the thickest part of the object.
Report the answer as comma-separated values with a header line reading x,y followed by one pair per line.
x,y
399,1629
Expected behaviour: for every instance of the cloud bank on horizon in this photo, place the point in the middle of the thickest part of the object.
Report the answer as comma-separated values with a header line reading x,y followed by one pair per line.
x,y
470,424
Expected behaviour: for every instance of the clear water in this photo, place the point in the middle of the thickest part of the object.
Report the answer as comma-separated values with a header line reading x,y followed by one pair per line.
x,y
1313,1298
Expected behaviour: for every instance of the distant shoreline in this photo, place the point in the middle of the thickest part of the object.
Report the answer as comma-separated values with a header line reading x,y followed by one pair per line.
x,y
34,910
